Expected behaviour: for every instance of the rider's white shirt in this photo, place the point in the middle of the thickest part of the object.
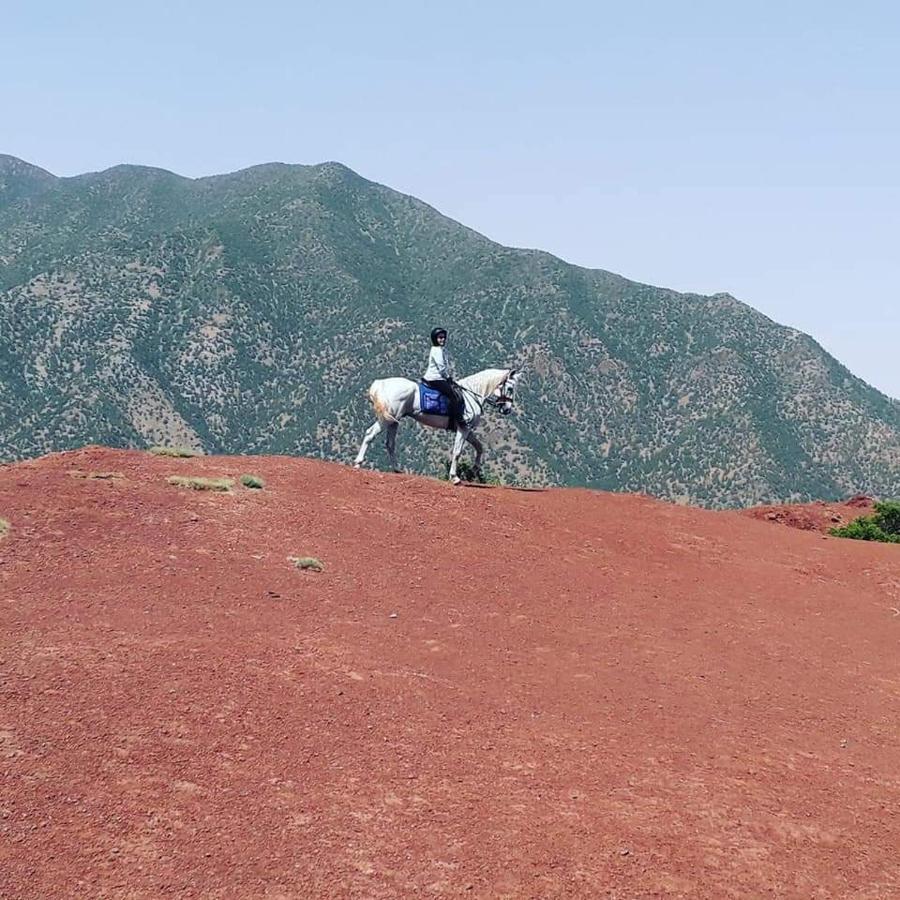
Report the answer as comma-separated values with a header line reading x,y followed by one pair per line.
x,y
440,365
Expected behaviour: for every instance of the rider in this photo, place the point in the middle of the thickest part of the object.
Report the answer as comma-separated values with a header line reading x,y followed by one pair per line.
x,y
439,375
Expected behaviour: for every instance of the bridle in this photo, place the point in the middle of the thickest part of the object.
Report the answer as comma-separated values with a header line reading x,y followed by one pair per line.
x,y
499,401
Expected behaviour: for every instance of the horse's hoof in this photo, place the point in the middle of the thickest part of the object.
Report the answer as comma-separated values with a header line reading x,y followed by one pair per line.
x,y
357,465
456,479
397,471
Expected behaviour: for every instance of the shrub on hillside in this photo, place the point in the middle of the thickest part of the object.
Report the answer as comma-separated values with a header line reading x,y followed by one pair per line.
x,y
253,481
887,515
5,528
883,525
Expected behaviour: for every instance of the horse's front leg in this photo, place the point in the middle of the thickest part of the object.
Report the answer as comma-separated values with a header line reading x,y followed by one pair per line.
x,y
390,441
458,442
479,451
371,434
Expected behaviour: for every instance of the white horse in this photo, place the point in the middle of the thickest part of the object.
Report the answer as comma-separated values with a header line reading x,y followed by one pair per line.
x,y
395,398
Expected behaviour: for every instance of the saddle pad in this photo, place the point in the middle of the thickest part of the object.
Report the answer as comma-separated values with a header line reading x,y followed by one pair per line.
x,y
432,401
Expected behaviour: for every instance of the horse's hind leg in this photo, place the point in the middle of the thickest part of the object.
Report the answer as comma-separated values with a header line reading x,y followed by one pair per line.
x,y
371,434
390,441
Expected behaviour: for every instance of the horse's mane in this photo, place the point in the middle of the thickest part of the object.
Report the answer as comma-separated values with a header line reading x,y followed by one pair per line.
x,y
486,381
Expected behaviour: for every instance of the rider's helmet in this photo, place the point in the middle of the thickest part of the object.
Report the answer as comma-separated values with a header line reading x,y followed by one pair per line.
x,y
434,335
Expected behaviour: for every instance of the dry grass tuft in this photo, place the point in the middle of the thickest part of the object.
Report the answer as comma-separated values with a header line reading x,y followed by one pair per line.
x,y
309,563
201,484
180,452
5,528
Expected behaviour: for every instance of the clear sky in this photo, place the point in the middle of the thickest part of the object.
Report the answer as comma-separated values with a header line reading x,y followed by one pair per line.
x,y
752,148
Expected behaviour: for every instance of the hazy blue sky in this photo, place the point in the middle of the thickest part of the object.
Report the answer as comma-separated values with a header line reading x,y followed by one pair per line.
x,y
710,146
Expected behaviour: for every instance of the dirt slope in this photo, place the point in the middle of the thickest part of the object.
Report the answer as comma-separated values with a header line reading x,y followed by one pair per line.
x,y
819,516
486,693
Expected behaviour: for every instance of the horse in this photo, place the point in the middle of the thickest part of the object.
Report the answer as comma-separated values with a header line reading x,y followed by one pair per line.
x,y
396,398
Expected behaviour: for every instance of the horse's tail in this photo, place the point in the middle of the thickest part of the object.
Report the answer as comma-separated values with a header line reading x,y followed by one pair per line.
x,y
378,404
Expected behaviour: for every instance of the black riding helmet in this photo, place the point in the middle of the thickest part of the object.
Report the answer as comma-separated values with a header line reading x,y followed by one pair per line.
x,y
434,335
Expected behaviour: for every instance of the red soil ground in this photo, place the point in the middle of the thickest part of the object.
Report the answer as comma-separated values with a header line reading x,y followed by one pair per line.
x,y
486,693
819,516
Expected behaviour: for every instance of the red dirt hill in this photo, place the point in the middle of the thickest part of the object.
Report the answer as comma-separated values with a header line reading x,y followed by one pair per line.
x,y
819,516
485,693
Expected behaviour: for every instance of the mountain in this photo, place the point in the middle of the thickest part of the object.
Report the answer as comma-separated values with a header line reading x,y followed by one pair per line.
x,y
249,312
622,698
20,180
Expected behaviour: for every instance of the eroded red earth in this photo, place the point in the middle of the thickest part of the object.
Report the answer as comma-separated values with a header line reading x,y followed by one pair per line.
x,y
486,693
819,516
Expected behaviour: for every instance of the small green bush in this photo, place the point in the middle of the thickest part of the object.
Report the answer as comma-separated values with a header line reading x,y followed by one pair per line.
x,y
252,481
887,516
175,451
883,525
307,562
201,484
865,529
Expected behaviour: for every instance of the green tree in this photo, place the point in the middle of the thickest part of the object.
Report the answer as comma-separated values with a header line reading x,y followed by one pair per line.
x,y
883,525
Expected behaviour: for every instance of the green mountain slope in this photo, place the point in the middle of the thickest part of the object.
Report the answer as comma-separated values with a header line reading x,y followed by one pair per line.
x,y
249,312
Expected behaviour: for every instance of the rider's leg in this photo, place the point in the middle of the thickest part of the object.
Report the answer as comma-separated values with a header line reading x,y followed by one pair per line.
x,y
459,412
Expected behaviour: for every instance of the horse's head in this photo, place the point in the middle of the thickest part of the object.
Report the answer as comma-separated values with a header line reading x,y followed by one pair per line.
x,y
505,394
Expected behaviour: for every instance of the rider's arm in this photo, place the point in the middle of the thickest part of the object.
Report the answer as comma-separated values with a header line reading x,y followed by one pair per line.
x,y
445,364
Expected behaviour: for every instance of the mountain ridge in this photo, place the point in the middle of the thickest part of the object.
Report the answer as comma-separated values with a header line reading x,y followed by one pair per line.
x,y
282,167
250,311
